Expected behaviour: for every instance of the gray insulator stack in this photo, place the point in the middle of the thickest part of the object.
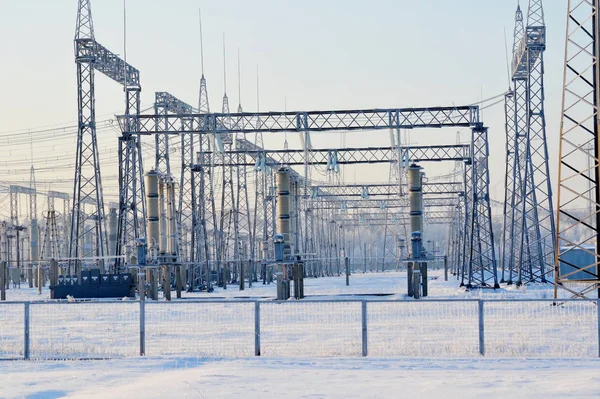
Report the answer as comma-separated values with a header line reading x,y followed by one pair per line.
x,y
112,229
162,247
152,211
171,218
283,208
415,196
35,251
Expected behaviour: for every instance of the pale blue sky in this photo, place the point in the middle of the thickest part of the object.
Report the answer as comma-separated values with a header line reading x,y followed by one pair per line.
x,y
317,54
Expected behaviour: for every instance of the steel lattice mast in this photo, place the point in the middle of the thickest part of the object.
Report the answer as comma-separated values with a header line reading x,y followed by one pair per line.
x,y
242,212
529,230
541,208
204,218
228,212
509,182
87,189
482,258
578,222
187,201
87,184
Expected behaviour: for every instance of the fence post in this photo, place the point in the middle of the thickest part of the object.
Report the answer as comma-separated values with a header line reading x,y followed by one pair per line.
x,y
598,310
142,328
26,337
364,328
3,280
256,328
347,265
481,329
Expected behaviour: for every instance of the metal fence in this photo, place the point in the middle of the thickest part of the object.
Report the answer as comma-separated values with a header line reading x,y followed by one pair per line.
x,y
308,328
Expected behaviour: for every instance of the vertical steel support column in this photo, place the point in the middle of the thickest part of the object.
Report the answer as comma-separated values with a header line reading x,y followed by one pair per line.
x,y
364,328
132,204
26,332
87,185
256,328
579,167
598,320
481,320
507,231
482,265
187,202
142,327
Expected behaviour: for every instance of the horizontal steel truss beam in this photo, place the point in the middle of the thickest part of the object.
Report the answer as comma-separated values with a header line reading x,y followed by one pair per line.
x,y
170,103
14,189
368,190
349,156
393,216
535,37
108,63
343,204
398,118
31,191
59,195
391,222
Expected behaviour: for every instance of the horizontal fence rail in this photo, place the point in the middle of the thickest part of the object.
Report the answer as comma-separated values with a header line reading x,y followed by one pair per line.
x,y
307,328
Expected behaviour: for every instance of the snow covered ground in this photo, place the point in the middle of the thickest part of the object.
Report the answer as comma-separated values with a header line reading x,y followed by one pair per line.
x,y
302,378
302,338
393,283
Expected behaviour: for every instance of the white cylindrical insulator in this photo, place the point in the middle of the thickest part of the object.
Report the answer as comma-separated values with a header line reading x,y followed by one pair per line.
x,y
283,207
152,212
112,229
34,241
162,247
172,218
415,194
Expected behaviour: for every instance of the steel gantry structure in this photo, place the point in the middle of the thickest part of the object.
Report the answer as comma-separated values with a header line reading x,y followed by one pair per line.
x,y
349,156
480,260
91,56
578,223
529,227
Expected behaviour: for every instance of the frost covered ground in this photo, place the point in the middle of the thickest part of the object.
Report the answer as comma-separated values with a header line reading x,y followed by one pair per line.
x,y
302,378
301,338
393,283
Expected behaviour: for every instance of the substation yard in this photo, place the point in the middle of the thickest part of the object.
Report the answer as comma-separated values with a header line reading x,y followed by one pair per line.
x,y
490,235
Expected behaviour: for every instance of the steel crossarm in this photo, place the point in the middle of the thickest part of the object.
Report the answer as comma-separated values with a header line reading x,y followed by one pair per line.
x,y
311,121
393,203
349,156
172,104
111,65
369,190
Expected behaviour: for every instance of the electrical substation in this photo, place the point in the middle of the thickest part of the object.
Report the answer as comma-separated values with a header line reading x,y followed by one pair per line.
x,y
223,210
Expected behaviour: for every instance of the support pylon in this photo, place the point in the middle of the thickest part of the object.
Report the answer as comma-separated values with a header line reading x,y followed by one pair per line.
x,y
87,186
578,222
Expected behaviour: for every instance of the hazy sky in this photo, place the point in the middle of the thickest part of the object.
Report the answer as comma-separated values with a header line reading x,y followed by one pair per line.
x,y
312,54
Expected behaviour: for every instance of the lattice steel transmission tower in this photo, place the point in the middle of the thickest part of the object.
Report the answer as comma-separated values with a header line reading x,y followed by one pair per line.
x,y
165,103
87,183
243,215
91,56
529,229
508,257
482,258
229,215
578,222
188,201
204,216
